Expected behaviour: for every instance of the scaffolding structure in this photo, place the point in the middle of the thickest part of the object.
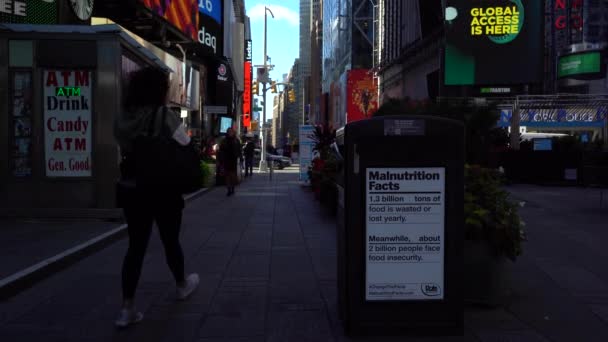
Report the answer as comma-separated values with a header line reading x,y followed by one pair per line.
x,y
545,106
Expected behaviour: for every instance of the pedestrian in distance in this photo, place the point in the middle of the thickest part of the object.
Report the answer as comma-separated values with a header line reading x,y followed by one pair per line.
x,y
230,154
146,114
249,151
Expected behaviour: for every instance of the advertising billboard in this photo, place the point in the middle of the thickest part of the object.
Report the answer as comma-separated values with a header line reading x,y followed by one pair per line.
x,y
212,9
584,65
183,14
307,145
361,95
28,12
68,122
493,42
210,29
565,117
247,95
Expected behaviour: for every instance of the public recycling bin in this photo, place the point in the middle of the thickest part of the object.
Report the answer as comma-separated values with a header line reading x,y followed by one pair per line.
x,y
401,226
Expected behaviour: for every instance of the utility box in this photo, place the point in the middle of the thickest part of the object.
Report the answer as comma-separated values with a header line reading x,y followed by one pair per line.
x,y
401,226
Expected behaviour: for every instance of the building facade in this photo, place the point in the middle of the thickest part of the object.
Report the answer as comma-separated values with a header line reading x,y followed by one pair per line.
x,y
316,71
201,49
293,110
303,71
348,45
408,45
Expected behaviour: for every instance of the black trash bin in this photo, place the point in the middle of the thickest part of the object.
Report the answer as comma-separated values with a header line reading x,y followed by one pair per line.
x,y
401,226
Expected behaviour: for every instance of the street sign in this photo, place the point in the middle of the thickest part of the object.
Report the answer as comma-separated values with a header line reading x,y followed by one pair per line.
x,y
263,75
306,150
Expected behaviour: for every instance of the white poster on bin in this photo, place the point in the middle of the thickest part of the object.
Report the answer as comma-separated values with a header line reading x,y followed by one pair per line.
x,y
405,230
67,122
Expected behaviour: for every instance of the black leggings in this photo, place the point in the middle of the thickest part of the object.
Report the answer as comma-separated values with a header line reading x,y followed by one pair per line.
x,y
139,220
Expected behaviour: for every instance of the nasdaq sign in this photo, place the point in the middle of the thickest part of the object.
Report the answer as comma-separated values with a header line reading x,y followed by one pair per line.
x,y
211,8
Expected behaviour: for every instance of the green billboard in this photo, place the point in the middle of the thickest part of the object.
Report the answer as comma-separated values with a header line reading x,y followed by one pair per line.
x,y
580,64
28,12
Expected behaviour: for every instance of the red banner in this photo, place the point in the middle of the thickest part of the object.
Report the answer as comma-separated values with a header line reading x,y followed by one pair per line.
x,y
247,96
361,95
182,14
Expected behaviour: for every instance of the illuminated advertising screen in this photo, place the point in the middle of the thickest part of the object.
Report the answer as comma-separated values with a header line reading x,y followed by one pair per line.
x,y
28,12
183,14
247,96
581,65
210,30
225,123
212,9
492,42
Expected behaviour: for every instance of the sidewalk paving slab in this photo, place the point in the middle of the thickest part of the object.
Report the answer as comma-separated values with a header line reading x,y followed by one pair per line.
x,y
267,257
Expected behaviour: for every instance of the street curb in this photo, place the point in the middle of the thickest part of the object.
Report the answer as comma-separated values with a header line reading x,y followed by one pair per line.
x,y
26,278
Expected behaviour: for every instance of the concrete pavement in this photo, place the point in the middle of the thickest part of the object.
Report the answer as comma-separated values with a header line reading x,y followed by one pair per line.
x,y
267,260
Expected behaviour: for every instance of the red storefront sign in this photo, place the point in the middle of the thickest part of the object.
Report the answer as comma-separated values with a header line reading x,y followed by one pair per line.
x,y
247,96
576,14
361,95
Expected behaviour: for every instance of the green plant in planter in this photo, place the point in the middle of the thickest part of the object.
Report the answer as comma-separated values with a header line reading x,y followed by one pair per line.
x,y
205,173
489,214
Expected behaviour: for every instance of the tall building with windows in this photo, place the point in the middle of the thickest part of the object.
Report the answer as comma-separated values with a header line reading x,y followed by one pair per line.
x,y
408,48
304,58
316,46
295,110
348,42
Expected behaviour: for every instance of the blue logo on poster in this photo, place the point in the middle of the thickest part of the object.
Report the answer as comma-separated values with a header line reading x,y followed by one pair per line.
x,y
212,8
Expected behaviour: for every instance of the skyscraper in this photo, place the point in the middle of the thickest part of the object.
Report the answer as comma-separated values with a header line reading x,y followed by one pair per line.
x,y
305,13
303,70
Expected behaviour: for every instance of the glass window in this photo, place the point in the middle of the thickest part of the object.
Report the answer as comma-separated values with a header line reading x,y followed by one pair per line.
x,y
21,53
21,122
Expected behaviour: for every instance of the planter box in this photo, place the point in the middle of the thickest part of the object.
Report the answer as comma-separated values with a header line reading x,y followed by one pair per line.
x,y
486,276
209,182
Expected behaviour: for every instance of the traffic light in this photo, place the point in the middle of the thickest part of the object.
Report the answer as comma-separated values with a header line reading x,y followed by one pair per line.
x,y
273,87
292,96
254,88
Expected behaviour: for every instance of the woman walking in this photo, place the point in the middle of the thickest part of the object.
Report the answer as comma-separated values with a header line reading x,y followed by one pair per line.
x,y
230,153
145,105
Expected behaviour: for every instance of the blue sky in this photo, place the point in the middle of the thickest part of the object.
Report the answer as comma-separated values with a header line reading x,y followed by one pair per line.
x,y
283,37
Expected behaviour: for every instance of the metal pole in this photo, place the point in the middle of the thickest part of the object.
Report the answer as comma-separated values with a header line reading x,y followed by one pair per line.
x,y
275,133
263,166
515,120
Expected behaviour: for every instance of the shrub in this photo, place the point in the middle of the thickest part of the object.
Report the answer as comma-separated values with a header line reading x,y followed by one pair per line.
x,y
205,173
490,215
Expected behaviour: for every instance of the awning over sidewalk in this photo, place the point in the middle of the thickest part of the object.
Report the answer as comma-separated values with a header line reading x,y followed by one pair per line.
x,y
92,30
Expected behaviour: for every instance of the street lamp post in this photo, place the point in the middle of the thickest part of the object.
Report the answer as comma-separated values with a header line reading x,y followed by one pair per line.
x,y
263,166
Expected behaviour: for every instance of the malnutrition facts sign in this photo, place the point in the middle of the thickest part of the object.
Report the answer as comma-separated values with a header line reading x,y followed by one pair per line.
x,y
405,233
67,123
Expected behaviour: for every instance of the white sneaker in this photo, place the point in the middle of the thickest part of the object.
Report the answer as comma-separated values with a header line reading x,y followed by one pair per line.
x,y
128,317
191,284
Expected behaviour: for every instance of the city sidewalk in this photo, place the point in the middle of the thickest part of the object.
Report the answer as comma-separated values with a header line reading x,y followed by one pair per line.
x,y
559,286
32,248
267,260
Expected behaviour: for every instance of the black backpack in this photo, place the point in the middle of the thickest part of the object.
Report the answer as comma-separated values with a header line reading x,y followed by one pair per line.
x,y
161,164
